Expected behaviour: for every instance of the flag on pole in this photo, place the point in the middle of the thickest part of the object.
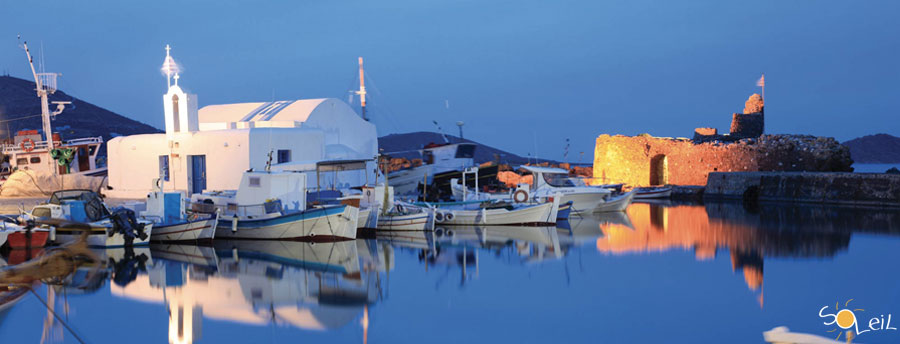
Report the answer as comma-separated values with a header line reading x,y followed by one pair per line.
x,y
762,81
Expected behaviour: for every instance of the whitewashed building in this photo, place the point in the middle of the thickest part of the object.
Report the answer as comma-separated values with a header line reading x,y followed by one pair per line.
x,y
209,148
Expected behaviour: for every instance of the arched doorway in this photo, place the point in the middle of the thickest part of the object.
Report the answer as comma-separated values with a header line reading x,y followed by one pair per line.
x,y
659,170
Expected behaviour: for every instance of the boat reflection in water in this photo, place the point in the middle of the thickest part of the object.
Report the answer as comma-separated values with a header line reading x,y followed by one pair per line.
x,y
315,286
333,287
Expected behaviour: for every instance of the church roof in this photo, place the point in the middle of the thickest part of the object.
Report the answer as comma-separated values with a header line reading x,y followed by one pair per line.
x,y
283,110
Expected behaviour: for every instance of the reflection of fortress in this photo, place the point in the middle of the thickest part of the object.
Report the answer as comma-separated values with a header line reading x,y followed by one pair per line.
x,y
773,231
308,286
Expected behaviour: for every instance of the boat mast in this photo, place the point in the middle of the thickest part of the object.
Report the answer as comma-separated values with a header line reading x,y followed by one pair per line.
x,y
43,91
362,89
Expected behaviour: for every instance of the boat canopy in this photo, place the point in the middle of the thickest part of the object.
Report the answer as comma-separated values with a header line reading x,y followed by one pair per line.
x,y
75,194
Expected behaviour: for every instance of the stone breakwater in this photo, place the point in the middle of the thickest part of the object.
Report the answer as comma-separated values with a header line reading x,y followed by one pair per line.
x,y
646,160
875,189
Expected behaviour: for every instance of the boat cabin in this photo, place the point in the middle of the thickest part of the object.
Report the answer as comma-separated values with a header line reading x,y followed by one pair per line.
x,y
28,151
259,193
453,154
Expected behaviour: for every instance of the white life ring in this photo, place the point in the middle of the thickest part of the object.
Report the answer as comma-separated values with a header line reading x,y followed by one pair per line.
x,y
449,216
438,217
520,196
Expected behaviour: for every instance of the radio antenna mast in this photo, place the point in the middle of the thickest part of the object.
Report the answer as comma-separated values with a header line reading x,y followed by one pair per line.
x,y
441,131
45,85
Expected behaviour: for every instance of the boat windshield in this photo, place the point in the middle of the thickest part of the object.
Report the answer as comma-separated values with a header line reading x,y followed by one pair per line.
x,y
465,151
559,180
68,195
578,181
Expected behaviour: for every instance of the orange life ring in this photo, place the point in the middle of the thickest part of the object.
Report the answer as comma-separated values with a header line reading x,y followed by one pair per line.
x,y
30,142
522,193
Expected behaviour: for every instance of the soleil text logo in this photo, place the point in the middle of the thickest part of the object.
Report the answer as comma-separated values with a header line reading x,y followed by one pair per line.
x,y
845,318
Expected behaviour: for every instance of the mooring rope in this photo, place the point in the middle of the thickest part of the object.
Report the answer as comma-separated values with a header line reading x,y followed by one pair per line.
x,y
61,321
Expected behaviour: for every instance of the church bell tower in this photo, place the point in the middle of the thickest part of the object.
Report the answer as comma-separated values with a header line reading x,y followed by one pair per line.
x,y
180,107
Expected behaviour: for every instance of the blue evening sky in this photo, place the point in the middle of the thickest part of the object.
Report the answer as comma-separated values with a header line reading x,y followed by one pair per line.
x,y
523,75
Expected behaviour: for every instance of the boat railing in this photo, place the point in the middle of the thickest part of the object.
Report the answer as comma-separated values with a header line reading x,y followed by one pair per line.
x,y
42,145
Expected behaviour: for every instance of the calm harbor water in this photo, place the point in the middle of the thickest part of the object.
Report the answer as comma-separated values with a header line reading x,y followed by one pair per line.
x,y
658,273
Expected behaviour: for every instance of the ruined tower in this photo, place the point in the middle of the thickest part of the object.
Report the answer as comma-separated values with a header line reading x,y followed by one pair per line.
x,y
751,123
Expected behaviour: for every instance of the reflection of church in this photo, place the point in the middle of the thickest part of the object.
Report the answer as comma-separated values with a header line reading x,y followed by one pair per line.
x,y
706,229
313,287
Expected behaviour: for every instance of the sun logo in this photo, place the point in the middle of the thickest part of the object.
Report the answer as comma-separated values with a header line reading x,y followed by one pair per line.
x,y
844,318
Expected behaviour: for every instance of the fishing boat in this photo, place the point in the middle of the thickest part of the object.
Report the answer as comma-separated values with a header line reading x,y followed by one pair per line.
x,y
436,159
404,218
494,213
67,209
274,205
652,192
46,152
462,193
171,220
585,199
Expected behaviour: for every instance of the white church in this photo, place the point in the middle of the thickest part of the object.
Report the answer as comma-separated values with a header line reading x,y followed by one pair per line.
x,y
210,148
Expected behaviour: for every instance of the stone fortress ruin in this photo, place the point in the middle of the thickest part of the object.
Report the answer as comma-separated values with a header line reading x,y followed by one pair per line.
x,y
645,160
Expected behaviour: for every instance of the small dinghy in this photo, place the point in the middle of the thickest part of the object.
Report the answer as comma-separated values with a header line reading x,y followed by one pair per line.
x,y
652,193
615,203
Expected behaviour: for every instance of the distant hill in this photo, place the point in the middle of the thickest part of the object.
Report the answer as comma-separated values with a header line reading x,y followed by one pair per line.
x,y
407,145
80,119
875,149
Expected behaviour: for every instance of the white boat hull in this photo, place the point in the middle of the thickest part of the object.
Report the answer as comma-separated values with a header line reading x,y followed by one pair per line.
x,y
618,203
204,229
320,224
583,203
406,182
544,213
408,222
664,193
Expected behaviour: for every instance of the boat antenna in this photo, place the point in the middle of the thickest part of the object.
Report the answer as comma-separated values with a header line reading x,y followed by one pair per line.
x,y
362,89
441,131
460,125
45,84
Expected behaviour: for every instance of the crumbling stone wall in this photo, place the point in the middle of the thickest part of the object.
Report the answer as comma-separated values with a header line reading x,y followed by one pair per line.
x,y
646,160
